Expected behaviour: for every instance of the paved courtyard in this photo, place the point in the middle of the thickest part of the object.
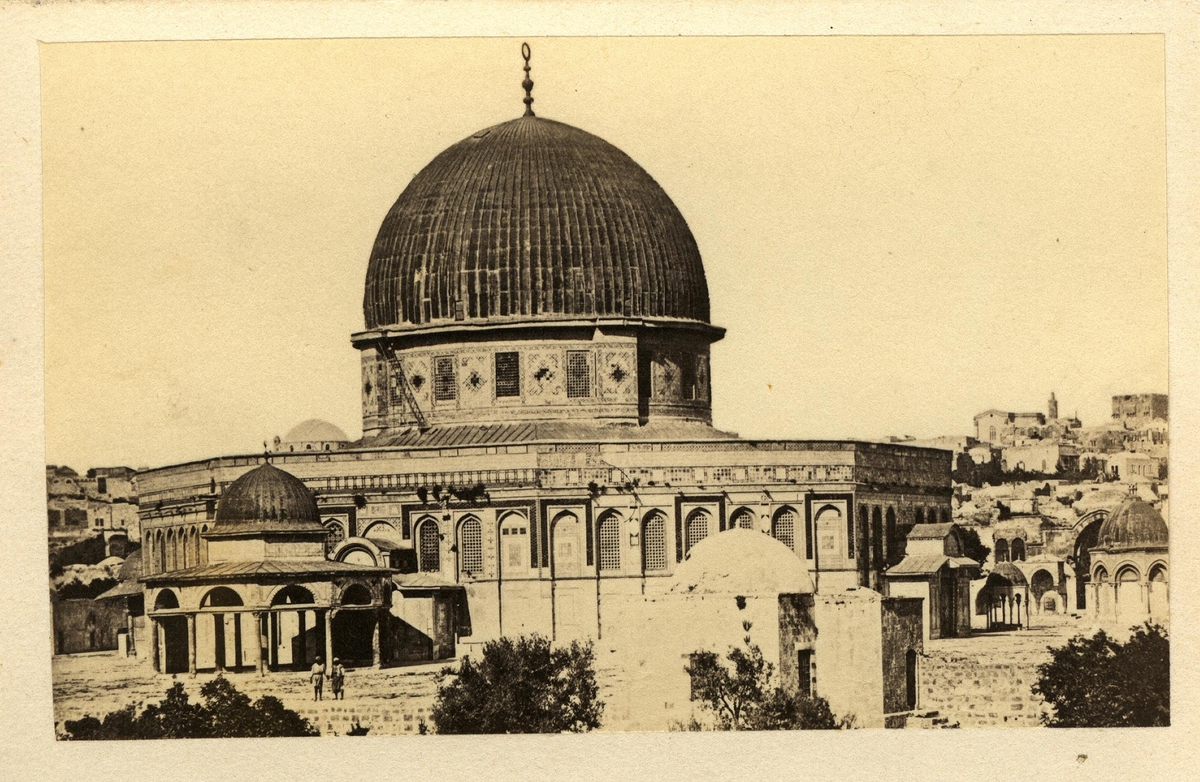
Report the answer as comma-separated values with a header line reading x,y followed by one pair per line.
x,y
981,680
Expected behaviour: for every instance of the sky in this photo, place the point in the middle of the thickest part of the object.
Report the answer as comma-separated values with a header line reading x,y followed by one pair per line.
x,y
898,232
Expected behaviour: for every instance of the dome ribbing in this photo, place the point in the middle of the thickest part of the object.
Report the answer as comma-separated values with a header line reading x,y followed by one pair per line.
x,y
1134,524
533,220
267,499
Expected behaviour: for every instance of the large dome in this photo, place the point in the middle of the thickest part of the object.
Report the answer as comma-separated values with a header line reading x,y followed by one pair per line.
x,y
1134,524
533,220
267,499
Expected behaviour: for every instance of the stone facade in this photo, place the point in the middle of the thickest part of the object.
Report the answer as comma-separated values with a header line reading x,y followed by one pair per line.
x,y
1139,408
541,535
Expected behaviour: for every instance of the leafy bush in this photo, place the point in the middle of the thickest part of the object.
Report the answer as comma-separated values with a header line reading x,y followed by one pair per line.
x,y
973,547
225,713
520,686
742,695
1100,683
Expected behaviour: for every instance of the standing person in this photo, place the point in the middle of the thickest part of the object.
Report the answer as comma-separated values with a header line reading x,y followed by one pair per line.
x,y
318,678
337,678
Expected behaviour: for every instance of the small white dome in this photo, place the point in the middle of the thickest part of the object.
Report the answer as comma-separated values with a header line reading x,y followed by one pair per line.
x,y
314,430
741,562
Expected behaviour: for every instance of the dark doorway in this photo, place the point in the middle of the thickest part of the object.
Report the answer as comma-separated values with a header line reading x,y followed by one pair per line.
x,y
948,604
910,680
804,672
352,637
175,644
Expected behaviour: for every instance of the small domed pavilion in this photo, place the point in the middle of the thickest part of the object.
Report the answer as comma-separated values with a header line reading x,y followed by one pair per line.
x,y
1130,564
263,595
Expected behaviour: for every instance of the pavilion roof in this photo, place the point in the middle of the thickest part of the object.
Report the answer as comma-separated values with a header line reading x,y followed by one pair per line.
x,y
268,568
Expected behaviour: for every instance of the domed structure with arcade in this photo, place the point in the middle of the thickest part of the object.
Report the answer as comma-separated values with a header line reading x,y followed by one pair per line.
x,y
537,443
1130,565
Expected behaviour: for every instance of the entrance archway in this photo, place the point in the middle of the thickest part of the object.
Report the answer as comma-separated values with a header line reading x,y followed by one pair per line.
x,y
1042,584
1082,559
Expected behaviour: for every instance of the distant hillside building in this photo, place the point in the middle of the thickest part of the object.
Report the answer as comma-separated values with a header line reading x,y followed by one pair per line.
x,y
1137,409
104,501
999,426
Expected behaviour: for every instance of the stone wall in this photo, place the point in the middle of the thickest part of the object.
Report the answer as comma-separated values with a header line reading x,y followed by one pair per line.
x,y
87,625
979,693
902,631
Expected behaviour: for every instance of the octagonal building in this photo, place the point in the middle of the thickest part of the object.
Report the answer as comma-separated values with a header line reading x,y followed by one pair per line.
x,y
537,413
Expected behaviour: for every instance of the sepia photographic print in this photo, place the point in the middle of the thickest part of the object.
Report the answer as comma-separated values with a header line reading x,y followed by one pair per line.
x,y
413,386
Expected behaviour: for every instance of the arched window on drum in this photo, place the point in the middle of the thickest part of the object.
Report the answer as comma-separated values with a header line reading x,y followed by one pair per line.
x,y
429,548
695,529
783,527
470,547
654,542
610,541
1001,551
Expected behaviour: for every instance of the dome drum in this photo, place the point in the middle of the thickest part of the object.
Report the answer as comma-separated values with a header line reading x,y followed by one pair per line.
x,y
613,375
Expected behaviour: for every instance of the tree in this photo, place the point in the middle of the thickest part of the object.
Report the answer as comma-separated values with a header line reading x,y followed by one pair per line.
x,y
973,547
742,695
225,713
1098,682
520,686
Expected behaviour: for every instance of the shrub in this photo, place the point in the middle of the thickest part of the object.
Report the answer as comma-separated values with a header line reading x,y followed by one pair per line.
x,y
1100,683
520,686
741,695
225,713
973,547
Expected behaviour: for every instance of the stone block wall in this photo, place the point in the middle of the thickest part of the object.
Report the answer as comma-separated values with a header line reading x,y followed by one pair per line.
x,y
902,622
980,694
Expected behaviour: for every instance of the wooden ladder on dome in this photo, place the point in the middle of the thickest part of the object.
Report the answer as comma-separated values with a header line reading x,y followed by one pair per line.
x,y
400,380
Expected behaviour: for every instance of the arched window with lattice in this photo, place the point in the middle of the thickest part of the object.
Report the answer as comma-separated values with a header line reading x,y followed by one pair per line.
x,y
429,549
654,542
336,534
743,518
470,547
695,529
783,527
610,541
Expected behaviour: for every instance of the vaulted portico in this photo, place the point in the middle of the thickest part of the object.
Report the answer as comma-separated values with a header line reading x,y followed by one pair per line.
x,y
268,599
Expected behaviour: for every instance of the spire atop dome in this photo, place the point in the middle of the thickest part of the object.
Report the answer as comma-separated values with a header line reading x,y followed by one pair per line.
x,y
528,83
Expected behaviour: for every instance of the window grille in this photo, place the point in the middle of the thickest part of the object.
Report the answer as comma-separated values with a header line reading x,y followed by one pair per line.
x,y
430,551
784,528
654,543
743,519
579,374
444,387
610,543
696,529
508,374
470,547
